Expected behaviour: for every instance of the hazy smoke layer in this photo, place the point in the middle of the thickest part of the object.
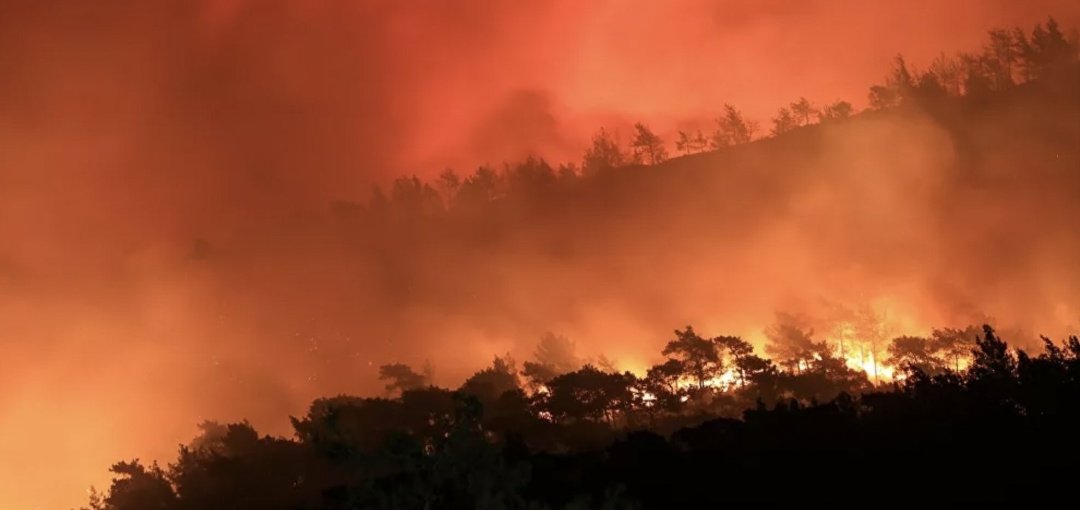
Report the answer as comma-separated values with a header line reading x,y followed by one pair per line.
x,y
167,171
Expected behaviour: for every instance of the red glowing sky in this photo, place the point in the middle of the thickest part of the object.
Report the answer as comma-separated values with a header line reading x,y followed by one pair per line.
x,y
128,128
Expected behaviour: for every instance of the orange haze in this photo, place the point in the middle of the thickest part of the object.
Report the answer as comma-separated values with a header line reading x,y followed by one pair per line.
x,y
131,129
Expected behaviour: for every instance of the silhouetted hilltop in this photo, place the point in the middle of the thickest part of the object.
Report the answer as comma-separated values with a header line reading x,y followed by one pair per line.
x,y
582,439
1033,124
957,189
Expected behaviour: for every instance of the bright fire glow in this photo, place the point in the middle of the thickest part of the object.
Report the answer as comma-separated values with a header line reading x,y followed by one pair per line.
x,y
875,371
172,235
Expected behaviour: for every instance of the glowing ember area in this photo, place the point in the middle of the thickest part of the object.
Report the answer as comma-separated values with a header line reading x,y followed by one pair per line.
x,y
874,370
724,381
648,399
225,210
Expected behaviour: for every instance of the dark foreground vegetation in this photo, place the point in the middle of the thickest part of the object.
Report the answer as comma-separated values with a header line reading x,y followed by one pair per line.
x,y
1003,428
967,417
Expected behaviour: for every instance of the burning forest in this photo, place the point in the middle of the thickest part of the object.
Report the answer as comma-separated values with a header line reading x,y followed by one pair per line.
x,y
479,255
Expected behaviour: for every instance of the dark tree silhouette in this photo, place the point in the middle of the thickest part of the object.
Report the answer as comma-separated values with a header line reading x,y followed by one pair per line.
x,y
1047,52
783,122
589,393
1007,419
538,374
646,146
691,144
1000,58
400,377
665,376
836,111
897,89
955,345
479,189
490,383
699,357
803,111
732,129
882,97
968,411
136,487
413,197
557,352
991,358
916,352
448,183
662,383
530,180
603,154
790,340
737,352
949,72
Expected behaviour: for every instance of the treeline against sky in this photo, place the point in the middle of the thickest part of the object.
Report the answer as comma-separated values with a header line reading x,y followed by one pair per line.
x,y
944,143
1009,58
876,215
960,181
592,438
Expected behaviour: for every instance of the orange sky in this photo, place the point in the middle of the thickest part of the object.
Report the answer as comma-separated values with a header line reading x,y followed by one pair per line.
x,y
129,128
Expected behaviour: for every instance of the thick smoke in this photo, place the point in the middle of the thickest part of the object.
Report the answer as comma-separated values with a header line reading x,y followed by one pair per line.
x,y
171,254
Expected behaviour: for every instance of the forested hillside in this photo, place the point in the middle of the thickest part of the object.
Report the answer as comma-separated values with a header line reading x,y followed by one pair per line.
x,y
873,252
